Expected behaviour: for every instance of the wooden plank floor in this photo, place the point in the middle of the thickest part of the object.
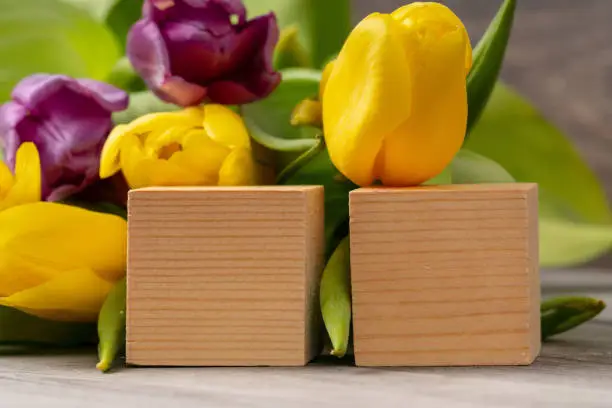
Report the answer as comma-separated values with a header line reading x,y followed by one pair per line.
x,y
574,370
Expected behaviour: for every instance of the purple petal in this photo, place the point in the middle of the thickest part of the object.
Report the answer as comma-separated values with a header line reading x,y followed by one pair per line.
x,y
109,97
147,52
256,79
149,56
180,92
195,11
68,120
11,114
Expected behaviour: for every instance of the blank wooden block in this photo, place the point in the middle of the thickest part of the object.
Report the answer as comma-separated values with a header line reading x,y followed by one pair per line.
x,y
224,276
445,275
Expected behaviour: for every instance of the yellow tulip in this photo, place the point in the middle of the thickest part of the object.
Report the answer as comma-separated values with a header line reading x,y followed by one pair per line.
x,y
206,145
24,186
395,100
59,262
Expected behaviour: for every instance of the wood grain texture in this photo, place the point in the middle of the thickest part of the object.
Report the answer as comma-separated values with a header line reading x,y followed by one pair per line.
x,y
224,276
445,275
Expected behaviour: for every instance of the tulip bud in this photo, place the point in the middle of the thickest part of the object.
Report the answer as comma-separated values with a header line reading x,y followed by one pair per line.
x,y
191,50
197,146
395,100
68,120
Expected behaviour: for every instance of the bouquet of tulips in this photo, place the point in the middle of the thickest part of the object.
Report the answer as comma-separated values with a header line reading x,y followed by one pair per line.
x,y
208,95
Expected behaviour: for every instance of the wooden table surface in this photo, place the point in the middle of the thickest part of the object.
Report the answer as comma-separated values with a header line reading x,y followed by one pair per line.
x,y
575,370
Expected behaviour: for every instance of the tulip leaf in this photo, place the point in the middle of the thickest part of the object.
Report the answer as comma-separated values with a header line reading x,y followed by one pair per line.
x,y
566,243
111,326
142,103
335,298
487,61
513,134
20,329
121,16
123,76
327,24
276,143
575,218
319,170
70,42
561,314
472,168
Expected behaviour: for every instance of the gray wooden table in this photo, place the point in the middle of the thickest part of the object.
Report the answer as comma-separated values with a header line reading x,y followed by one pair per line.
x,y
575,370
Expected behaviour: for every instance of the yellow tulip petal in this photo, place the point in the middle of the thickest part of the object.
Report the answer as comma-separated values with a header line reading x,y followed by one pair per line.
x,y
432,134
26,186
367,96
325,77
157,141
434,31
225,126
109,160
201,155
75,295
6,179
238,169
141,170
42,239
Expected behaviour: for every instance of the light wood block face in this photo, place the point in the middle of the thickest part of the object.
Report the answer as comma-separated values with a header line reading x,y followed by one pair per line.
x,y
445,275
224,276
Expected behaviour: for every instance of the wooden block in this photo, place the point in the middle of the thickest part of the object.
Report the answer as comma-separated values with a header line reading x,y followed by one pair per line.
x,y
224,276
445,275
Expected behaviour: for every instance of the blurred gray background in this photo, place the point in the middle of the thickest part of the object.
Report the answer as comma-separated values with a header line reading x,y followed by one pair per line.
x,y
560,57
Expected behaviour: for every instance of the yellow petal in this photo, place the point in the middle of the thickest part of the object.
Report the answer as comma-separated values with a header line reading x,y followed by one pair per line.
x,y
238,169
109,160
367,96
40,240
6,179
428,140
27,181
153,123
141,170
75,295
156,141
325,77
201,155
225,126
431,26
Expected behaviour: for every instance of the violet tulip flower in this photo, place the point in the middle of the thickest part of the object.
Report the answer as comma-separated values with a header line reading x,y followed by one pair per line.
x,y
189,51
68,120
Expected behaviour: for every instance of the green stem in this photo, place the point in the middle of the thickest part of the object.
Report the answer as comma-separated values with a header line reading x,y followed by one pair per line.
x,y
303,159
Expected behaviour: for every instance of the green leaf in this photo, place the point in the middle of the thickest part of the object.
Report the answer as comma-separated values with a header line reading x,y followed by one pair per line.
x,y
52,37
111,326
575,218
512,133
320,171
20,329
276,143
565,313
142,103
472,168
287,11
335,295
566,243
487,61
327,24
273,114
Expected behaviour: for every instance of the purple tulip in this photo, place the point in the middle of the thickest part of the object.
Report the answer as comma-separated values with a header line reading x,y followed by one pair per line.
x,y
68,120
191,50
